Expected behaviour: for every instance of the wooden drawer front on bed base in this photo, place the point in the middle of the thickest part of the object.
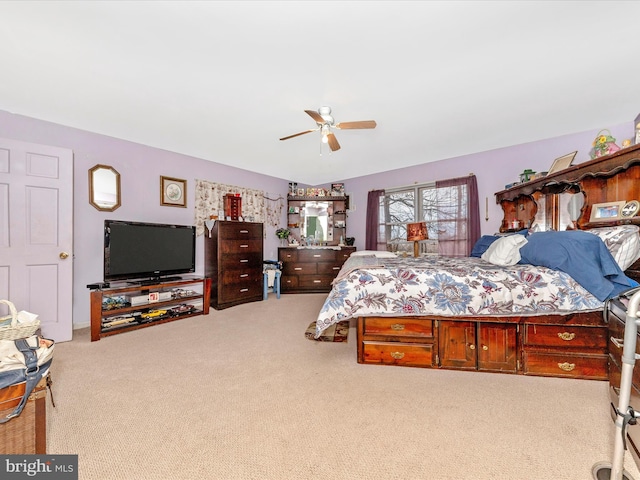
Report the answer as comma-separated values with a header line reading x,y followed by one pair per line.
x,y
396,353
402,341
593,367
576,348
398,327
565,351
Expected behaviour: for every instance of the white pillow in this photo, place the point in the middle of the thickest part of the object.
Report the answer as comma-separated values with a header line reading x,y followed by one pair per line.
x,y
375,253
505,250
622,241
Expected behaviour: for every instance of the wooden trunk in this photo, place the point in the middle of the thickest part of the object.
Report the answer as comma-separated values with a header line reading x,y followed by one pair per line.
x,y
27,433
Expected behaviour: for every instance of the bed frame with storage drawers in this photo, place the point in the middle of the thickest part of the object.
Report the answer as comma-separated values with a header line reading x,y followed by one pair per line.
x,y
573,346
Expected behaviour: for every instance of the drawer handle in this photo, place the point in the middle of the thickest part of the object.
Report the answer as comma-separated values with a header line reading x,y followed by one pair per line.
x,y
242,290
335,268
244,246
618,342
317,281
397,355
244,231
297,268
397,326
244,261
566,366
566,336
317,255
244,275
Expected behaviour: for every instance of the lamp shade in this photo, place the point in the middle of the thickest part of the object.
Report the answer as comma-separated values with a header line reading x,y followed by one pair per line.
x,y
417,231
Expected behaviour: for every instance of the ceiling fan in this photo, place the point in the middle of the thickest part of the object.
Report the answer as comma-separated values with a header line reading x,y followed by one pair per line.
x,y
325,123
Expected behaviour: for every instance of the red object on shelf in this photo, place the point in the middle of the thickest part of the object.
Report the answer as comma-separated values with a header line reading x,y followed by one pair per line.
x,y
233,206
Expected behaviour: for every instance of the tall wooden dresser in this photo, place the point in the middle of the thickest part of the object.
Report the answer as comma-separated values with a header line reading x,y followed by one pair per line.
x,y
233,258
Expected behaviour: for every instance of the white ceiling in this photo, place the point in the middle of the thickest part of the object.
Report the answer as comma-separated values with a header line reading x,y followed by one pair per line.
x,y
224,80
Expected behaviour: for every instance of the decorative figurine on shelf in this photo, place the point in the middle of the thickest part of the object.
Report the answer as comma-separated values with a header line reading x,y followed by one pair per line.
x,y
526,175
604,144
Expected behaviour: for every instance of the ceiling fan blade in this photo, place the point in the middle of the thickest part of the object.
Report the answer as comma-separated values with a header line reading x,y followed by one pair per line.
x,y
298,134
354,125
333,142
316,116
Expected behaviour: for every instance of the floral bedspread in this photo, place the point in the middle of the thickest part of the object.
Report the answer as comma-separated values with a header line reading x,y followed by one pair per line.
x,y
448,286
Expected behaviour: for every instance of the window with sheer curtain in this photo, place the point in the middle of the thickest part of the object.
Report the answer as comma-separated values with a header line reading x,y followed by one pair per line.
x,y
449,207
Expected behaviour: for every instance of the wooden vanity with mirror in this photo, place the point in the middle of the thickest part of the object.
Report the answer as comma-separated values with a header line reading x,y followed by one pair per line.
x,y
318,224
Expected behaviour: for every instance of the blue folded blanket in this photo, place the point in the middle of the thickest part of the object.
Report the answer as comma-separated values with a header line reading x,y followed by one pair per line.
x,y
582,255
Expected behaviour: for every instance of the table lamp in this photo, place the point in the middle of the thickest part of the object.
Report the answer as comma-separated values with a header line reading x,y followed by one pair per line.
x,y
415,233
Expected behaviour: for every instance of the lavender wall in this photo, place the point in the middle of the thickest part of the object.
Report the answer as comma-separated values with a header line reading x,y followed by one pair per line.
x,y
140,168
494,169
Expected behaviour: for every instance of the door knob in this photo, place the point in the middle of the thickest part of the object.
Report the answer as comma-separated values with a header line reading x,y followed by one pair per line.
x,y
64,255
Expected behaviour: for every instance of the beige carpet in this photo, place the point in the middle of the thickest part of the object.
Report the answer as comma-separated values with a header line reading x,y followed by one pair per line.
x,y
242,394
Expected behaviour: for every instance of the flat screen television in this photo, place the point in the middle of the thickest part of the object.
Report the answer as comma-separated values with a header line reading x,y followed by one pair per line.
x,y
147,252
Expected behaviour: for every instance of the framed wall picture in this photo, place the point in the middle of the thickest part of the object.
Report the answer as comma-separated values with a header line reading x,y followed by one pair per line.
x,y
173,192
562,162
604,212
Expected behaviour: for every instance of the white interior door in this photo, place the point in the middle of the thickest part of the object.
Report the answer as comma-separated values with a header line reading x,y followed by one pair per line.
x,y
36,233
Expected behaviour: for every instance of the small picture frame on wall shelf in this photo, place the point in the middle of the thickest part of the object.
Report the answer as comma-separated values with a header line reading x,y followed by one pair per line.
x,y
606,212
562,162
630,209
173,192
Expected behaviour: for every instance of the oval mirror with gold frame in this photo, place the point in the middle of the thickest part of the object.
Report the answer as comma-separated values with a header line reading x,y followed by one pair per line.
x,y
104,188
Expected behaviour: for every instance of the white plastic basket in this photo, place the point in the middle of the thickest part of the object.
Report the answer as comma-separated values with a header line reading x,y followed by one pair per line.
x,y
12,329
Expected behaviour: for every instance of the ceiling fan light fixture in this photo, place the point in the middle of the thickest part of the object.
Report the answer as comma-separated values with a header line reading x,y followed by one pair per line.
x,y
325,132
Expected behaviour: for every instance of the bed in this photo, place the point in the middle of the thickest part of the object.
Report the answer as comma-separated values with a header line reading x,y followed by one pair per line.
x,y
541,316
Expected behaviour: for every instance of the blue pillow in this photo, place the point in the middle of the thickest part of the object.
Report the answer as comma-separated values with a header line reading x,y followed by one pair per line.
x,y
482,244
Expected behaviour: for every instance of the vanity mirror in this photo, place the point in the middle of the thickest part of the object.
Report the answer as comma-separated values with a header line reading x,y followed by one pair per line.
x,y
104,188
321,221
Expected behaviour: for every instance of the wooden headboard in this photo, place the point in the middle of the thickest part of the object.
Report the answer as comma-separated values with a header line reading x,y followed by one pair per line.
x,y
606,179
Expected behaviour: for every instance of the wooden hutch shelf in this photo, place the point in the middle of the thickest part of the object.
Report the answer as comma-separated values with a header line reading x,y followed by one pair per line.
x,y
610,178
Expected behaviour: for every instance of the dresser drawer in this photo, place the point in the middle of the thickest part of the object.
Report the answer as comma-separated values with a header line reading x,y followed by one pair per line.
x,y
242,260
238,231
344,253
241,246
288,255
400,327
565,336
405,354
234,292
315,281
299,269
240,276
566,365
288,281
316,255
329,269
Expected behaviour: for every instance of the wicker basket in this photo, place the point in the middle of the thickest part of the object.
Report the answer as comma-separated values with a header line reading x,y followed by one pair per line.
x,y
11,329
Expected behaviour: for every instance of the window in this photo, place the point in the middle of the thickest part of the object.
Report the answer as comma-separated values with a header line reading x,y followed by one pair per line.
x,y
446,207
